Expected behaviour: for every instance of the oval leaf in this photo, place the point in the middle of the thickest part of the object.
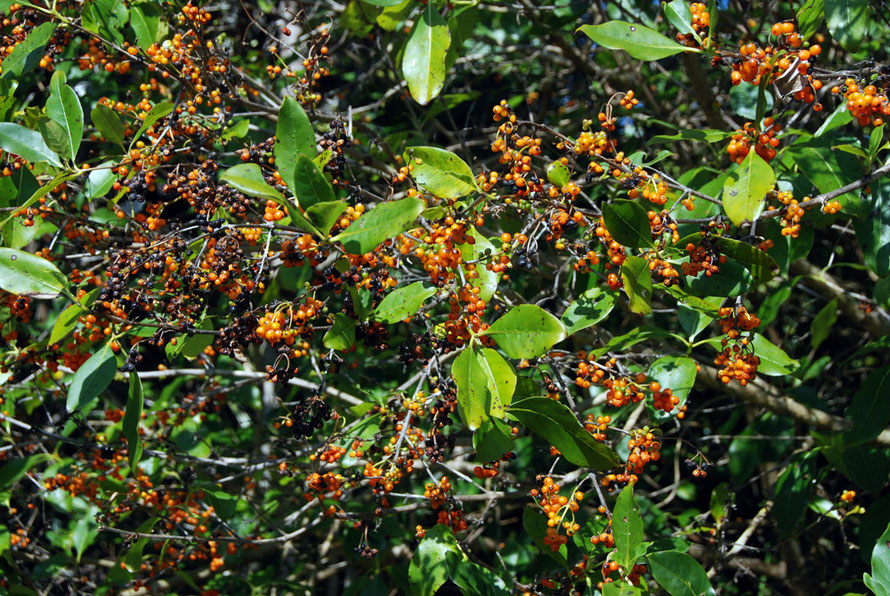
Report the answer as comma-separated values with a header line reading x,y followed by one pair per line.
x,y
627,529
679,574
423,63
91,378
472,391
640,42
384,221
441,172
500,378
402,303
556,424
847,21
63,106
248,178
746,187
341,335
628,223
27,144
24,274
294,136
527,331
590,308
762,266
309,184
130,422
637,284
108,124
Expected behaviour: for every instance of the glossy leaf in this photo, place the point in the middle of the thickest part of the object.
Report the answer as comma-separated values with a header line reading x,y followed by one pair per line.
x,y
746,188
810,17
637,284
678,14
146,23
555,423
108,124
500,378
731,280
640,42
440,172
627,529
130,421
91,378
526,331
873,231
402,303
480,253
535,525
558,174
294,136
68,318
628,223
762,266
879,579
13,470
829,170
310,185
590,308
248,178
26,55
824,320
870,409
679,574
848,22
774,362
384,221
24,274
324,215
492,440
341,335
27,144
158,111
676,373
473,396
423,62
63,107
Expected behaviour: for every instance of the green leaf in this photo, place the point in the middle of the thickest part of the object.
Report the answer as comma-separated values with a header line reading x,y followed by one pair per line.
x,y
130,422
294,136
160,110
24,274
383,3
732,280
500,378
341,335
440,172
423,61
632,338
679,574
874,142
792,493
325,215
556,424
100,181
870,409
13,470
480,252
706,135
535,525
387,220
628,223
191,346
719,502
91,378
224,503
762,266
879,582
146,23
847,21
810,17
637,284
55,136
829,170
402,303
640,42
248,178
527,331
678,14
746,188
676,373
68,318
590,308
63,107
27,144
873,231
839,117
627,529
435,561
822,323
473,396
774,362
105,17
743,100
492,440
310,185
558,174
108,124
27,54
